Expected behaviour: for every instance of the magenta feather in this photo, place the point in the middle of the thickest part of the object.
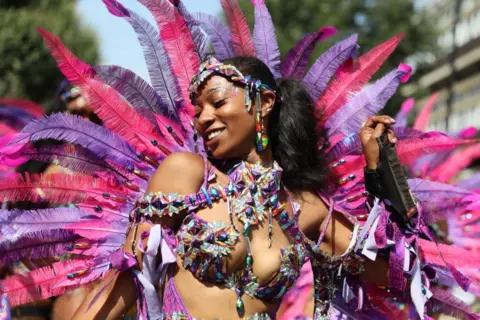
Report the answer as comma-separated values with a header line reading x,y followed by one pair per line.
x,y
467,133
218,32
178,43
421,122
95,229
295,63
241,38
349,80
450,168
41,283
158,63
264,38
410,150
327,64
74,129
61,188
201,40
115,112
401,120
349,118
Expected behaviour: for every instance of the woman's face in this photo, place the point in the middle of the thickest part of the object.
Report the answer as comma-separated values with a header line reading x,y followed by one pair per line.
x,y
223,121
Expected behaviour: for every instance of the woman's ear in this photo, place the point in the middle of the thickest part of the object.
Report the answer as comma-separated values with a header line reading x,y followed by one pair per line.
x,y
268,100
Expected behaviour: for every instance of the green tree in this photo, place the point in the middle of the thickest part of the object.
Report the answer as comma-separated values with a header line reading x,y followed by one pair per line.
x,y
374,20
26,68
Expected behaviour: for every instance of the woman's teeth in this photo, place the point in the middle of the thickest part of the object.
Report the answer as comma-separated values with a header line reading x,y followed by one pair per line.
x,y
215,133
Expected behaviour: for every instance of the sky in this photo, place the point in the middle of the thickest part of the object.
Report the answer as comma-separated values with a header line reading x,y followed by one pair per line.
x,y
117,40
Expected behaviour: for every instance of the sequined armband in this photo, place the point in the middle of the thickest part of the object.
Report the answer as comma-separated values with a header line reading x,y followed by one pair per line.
x,y
161,204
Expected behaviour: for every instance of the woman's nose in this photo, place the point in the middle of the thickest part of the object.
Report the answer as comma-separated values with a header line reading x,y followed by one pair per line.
x,y
206,117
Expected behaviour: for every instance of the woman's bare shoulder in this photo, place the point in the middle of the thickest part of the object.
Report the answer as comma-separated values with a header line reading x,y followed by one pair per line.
x,y
180,172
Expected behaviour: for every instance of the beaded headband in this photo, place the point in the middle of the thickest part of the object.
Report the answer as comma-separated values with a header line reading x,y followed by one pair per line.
x,y
212,66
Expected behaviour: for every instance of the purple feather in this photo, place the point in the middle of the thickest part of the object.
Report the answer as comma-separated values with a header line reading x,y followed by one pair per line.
x,y
295,64
265,40
74,129
41,244
351,145
134,89
426,190
159,66
201,40
218,32
434,210
15,117
75,158
349,118
17,223
327,64
472,183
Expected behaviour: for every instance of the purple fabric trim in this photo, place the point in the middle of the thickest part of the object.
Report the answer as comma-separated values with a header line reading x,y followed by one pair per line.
x,y
172,300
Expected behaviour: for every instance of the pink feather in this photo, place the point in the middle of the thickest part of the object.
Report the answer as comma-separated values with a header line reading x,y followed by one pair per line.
x,y
178,43
241,36
27,105
468,133
407,105
95,229
454,255
117,114
41,283
351,81
11,155
423,117
409,150
456,163
61,188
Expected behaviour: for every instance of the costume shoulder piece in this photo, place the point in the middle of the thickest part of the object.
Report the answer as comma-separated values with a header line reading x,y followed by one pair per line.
x,y
144,122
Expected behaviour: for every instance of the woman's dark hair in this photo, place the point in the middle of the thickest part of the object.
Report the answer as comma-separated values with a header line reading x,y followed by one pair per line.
x,y
292,128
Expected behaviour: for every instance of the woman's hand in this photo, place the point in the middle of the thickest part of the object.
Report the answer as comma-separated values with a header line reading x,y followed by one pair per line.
x,y
373,128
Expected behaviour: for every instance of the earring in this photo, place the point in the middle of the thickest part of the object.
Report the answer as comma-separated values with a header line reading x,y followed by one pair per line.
x,y
195,136
261,138
247,100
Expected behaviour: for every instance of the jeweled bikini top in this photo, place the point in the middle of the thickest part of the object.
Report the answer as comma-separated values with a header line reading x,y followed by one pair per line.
x,y
252,196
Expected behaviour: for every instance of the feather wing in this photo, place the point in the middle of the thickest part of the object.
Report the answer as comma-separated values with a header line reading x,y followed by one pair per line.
x,y
350,81
295,63
421,122
264,38
327,64
349,118
241,37
443,301
218,32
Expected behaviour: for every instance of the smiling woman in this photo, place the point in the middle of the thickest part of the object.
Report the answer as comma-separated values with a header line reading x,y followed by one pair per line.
x,y
208,196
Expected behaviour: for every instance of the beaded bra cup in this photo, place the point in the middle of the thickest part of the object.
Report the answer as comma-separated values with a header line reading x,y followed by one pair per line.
x,y
252,196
